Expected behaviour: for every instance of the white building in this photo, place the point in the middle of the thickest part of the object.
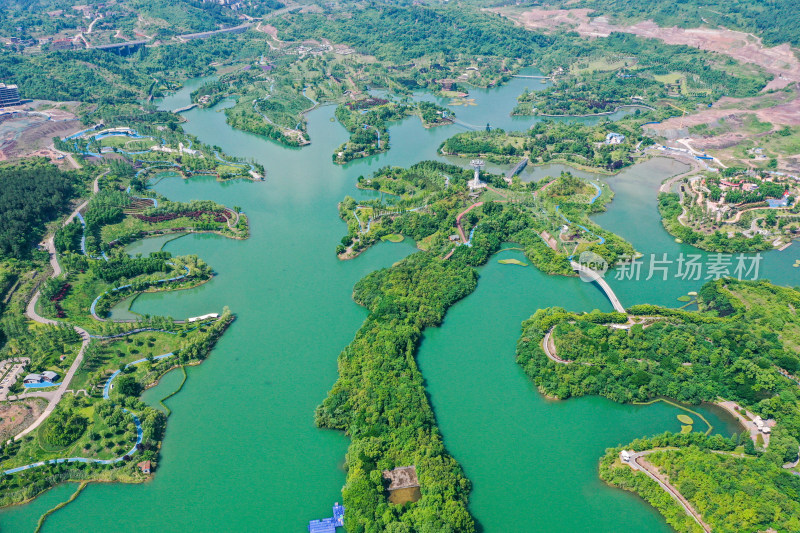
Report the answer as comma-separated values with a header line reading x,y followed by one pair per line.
x,y
615,138
210,315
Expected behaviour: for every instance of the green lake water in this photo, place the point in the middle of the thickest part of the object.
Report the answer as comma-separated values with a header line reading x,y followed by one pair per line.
x,y
241,450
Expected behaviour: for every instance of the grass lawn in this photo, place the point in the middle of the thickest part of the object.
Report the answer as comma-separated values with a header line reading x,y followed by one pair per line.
x,y
132,226
601,64
392,237
112,355
671,78
512,262
113,442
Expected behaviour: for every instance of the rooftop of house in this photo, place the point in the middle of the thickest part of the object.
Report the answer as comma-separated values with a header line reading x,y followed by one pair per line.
x,y
402,477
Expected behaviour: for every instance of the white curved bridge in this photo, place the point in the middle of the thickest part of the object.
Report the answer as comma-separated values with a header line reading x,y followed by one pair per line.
x,y
597,278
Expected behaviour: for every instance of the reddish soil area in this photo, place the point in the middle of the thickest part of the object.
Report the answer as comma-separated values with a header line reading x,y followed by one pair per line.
x,y
779,61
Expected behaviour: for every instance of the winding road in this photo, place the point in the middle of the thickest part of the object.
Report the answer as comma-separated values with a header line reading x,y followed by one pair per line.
x,y
30,312
54,397
639,463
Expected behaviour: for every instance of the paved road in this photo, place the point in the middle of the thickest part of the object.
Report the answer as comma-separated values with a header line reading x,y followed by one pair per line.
x,y
746,423
550,349
639,462
30,312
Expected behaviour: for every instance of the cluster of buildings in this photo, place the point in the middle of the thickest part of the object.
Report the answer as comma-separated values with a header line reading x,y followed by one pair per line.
x,y
615,138
65,44
9,95
48,376
230,4
745,186
748,186
319,49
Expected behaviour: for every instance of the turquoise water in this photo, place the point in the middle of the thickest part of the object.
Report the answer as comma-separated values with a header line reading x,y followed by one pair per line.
x,y
241,450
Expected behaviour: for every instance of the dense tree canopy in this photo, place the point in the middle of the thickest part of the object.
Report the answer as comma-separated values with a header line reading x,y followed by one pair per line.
x,y
379,400
31,195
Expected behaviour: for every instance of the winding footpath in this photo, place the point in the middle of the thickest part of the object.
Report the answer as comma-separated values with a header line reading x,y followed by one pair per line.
x,y
549,347
54,397
134,449
639,463
458,220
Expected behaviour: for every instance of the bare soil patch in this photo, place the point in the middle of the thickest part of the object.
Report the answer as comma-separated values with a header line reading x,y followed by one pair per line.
x,y
784,114
747,48
15,416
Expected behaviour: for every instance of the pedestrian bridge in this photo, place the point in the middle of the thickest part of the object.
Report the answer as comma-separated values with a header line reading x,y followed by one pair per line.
x,y
597,278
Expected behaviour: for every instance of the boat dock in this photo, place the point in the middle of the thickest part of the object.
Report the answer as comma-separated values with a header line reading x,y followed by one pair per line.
x,y
328,525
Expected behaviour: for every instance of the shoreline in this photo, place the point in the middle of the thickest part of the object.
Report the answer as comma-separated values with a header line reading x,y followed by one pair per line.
x,y
588,115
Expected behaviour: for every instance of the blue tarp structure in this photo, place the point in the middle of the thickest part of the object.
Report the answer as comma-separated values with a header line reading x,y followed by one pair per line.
x,y
338,514
328,525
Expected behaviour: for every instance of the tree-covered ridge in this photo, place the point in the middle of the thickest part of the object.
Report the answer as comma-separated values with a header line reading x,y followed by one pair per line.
x,y
380,401
32,194
367,121
31,19
102,77
741,346
733,492
734,495
731,351
462,36
272,108
397,34
548,140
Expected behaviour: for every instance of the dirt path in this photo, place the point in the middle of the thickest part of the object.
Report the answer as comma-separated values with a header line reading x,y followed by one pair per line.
x,y
461,214
687,144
